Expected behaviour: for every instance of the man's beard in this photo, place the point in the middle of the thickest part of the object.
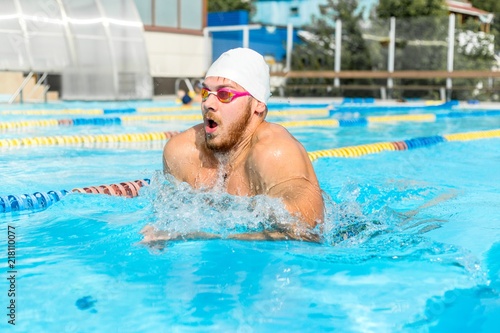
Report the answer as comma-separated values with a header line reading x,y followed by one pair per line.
x,y
224,142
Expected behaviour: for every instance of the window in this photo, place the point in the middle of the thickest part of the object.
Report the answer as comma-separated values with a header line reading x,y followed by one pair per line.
x,y
191,12
184,16
166,13
145,8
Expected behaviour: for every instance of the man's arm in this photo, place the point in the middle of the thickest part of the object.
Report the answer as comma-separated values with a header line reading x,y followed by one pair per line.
x,y
172,153
178,154
285,172
158,238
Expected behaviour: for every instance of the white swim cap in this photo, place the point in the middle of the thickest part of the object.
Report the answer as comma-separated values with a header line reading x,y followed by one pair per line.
x,y
245,67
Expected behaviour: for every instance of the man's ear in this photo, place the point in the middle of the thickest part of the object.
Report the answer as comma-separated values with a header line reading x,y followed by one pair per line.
x,y
260,108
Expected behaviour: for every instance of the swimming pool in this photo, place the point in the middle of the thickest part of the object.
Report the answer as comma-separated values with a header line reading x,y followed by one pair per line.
x,y
411,242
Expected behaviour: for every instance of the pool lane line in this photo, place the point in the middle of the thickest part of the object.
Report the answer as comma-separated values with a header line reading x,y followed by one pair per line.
x,y
90,111
173,108
311,123
59,122
99,121
299,112
87,139
5,125
430,117
48,112
364,121
42,200
106,121
98,111
52,112
374,148
282,112
168,108
370,105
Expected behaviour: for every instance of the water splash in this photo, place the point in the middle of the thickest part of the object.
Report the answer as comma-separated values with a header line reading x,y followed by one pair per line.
x,y
390,223
361,212
362,222
357,214
178,208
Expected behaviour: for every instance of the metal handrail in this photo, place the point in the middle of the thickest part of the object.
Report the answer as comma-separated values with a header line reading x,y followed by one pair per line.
x,y
37,85
19,91
45,90
188,83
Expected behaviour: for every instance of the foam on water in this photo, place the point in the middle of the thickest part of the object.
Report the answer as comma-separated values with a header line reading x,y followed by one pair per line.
x,y
180,209
358,226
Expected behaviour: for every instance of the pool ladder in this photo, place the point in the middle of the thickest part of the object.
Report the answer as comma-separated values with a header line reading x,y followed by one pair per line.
x,y
189,83
21,93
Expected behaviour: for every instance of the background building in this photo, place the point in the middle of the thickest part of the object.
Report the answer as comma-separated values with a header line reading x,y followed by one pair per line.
x,y
136,49
173,31
99,49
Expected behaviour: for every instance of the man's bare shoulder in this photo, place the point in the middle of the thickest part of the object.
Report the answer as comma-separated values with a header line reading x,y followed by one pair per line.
x,y
275,142
282,168
277,155
268,130
180,150
182,142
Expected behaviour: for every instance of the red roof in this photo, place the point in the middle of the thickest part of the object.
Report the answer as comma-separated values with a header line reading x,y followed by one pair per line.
x,y
464,8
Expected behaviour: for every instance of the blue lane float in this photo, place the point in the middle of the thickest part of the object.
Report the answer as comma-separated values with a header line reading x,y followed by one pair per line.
x,y
423,141
35,201
362,121
96,121
119,110
277,106
369,107
456,114
41,200
353,122
358,100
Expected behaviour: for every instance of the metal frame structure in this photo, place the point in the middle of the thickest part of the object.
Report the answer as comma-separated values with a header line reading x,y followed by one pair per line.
x,y
96,46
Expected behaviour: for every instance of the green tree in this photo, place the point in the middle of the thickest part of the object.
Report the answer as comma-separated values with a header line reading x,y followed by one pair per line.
x,y
355,55
229,5
318,50
492,6
410,8
421,34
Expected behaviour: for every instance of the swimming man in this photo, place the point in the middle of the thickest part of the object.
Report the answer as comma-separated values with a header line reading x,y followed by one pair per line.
x,y
237,147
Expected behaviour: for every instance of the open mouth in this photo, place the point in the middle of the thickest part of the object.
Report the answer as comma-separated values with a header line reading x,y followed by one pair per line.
x,y
210,126
212,123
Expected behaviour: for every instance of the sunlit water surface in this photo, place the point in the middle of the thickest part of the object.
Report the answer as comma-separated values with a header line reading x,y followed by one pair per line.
x,y
411,242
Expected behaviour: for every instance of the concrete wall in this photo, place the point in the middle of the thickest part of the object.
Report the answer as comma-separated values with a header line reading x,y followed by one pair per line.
x,y
176,55
10,81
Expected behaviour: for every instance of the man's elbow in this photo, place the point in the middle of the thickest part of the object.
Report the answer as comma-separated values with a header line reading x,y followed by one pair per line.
x,y
315,220
316,213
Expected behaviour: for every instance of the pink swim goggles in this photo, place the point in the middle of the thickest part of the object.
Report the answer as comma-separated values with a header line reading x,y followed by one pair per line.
x,y
224,95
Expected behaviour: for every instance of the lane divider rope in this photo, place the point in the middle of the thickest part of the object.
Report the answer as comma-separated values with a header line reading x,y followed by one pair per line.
x,y
87,139
373,148
53,112
309,111
168,108
42,200
106,121
292,111
389,119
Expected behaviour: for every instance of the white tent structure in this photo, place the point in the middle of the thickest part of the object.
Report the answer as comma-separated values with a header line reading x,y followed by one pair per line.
x,y
97,46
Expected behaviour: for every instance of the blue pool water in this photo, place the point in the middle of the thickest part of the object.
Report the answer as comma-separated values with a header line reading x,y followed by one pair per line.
x,y
411,242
